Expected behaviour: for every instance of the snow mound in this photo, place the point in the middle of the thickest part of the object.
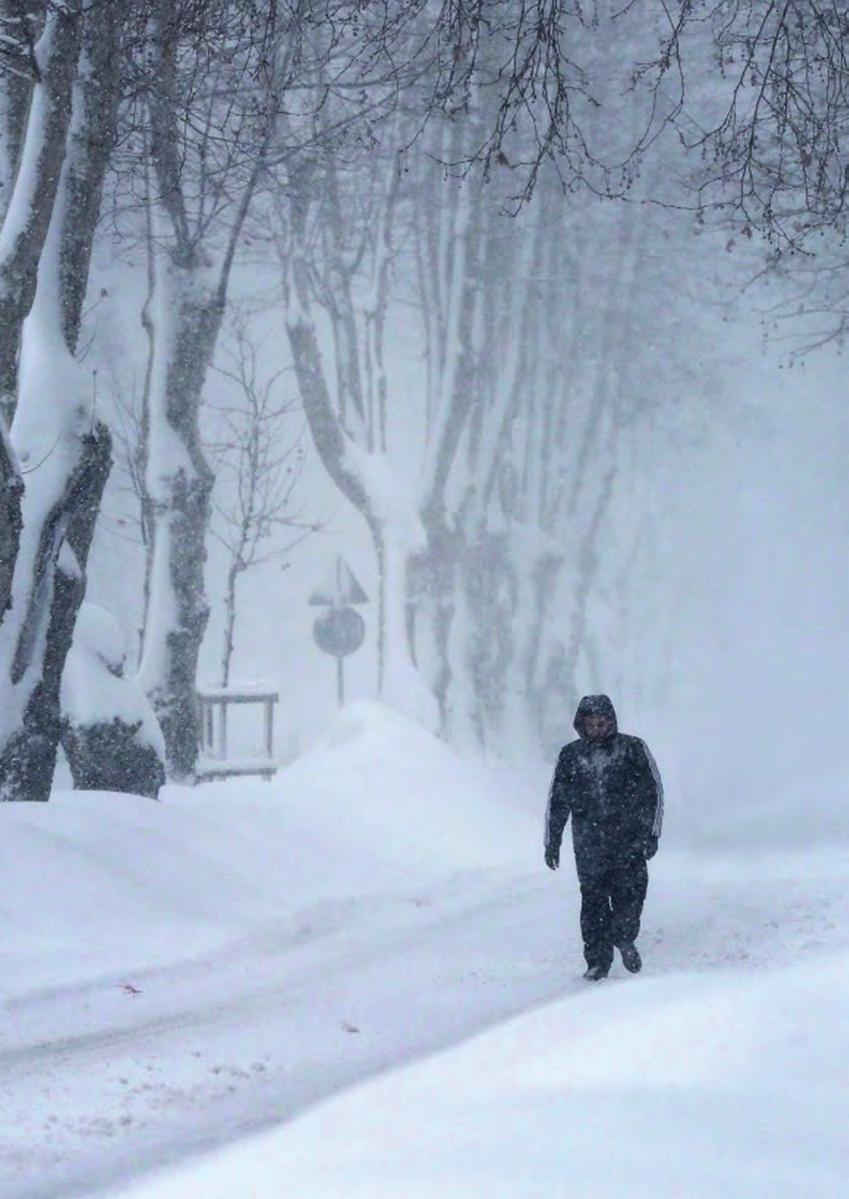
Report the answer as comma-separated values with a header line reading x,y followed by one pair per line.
x,y
95,687
391,793
95,883
376,731
382,806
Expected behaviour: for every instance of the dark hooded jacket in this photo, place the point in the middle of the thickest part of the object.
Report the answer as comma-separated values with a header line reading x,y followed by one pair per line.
x,y
612,790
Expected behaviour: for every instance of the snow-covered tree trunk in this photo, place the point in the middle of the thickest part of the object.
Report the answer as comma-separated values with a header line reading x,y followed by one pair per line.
x,y
141,450
32,162
106,740
451,230
11,494
504,544
34,646
70,456
475,272
35,119
63,450
186,321
202,202
16,82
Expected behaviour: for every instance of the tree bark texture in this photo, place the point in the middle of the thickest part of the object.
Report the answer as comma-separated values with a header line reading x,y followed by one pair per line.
x,y
16,81
11,494
44,635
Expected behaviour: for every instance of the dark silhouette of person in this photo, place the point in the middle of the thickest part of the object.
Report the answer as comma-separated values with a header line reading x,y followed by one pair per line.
x,y
609,784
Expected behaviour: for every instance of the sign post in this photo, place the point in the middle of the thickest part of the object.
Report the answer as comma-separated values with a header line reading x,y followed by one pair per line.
x,y
340,630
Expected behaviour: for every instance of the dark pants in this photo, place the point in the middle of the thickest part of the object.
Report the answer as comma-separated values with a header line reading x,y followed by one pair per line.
x,y
612,896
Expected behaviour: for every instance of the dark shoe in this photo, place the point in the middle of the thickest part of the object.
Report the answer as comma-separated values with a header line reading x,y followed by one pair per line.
x,y
596,973
631,959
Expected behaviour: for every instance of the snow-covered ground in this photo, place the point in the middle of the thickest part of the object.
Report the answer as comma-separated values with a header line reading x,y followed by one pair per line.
x,y
359,980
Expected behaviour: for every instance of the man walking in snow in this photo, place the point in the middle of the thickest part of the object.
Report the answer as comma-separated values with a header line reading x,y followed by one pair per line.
x,y
609,784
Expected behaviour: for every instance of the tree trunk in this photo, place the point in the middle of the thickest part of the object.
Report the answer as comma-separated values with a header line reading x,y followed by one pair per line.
x,y
66,455
432,581
15,94
33,151
400,683
106,753
188,309
36,181
36,643
11,495
179,482
229,624
142,454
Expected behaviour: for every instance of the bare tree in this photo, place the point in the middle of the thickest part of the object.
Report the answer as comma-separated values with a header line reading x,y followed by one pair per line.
x,y
535,359
204,87
208,150
209,165
771,122
259,464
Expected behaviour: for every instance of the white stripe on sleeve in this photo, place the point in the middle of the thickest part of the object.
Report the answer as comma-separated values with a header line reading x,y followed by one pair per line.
x,y
657,826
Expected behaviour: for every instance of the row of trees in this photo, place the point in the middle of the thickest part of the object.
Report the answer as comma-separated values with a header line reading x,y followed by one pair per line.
x,y
170,108
376,148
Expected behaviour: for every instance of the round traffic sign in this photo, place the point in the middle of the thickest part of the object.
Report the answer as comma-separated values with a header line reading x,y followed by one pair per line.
x,y
339,631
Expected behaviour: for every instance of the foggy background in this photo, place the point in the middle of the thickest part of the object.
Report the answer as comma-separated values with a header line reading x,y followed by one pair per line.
x,y
729,647
570,411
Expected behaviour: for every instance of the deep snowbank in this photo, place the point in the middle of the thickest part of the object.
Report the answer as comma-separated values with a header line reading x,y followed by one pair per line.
x,y
95,884
176,972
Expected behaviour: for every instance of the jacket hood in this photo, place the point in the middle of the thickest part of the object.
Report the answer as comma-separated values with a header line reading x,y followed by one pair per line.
x,y
594,705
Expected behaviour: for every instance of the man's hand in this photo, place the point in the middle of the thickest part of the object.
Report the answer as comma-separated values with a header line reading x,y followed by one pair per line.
x,y
651,848
552,858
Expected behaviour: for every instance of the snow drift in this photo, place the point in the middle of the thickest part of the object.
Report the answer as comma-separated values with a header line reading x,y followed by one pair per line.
x,y
187,974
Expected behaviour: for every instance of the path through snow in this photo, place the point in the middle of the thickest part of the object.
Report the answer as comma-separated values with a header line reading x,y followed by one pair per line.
x,y
216,1049
169,993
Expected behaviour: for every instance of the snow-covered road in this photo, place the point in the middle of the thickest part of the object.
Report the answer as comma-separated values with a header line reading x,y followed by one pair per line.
x,y
130,1061
98,1083
210,1051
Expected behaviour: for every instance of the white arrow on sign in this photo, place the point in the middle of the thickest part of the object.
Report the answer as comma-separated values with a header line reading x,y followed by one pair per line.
x,y
341,589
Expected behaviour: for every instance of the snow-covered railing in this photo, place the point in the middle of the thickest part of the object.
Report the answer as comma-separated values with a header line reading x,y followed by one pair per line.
x,y
213,760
